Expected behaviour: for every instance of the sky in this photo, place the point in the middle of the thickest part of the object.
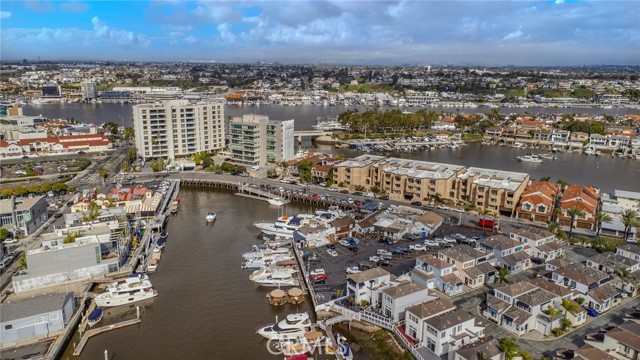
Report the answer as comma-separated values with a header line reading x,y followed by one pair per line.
x,y
521,33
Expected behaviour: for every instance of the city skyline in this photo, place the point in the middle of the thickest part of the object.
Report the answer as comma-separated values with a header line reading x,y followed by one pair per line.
x,y
520,33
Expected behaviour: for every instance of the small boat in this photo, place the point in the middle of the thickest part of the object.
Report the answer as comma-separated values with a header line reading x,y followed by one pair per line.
x,y
174,206
547,156
529,158
161,243
292,326
344,347
276,201
211,217
95,317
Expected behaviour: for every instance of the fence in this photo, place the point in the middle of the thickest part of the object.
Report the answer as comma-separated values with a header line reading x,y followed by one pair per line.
x,y
411,347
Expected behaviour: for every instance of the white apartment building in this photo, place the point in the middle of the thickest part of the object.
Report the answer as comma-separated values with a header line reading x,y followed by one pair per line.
x,y
178,128
89,90
256,140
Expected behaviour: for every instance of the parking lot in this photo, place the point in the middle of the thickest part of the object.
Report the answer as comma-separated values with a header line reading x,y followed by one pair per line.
x,y
335,266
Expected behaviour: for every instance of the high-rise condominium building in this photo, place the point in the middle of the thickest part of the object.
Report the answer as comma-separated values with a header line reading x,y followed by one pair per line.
x,y
89,90
178,128
256,140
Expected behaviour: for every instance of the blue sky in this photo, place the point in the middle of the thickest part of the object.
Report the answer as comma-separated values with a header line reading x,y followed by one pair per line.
x,y
356,32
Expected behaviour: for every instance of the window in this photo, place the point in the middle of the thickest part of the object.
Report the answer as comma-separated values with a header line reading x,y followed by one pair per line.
x,y
8,327
39,320
54,316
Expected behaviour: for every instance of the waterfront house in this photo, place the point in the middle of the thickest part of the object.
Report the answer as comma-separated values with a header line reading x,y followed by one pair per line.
x,y
598,141
417,314
509,253
560,136
366,285
35,317
582,197
450,331
444,277
579,277
398,297
578,138
487,349
537,202
622,341
542,135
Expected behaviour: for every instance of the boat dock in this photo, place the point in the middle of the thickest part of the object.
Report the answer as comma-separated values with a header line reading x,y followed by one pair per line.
x,y
251,192
93,332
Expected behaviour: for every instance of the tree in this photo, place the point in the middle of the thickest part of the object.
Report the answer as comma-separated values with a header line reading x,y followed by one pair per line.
x,y
158,164
551,311
569,305
574,212
601,218
22,263
4,234
561,184
629,219
502,276
509,347
566,324
203,158
304,167
103,173
128,133
111,127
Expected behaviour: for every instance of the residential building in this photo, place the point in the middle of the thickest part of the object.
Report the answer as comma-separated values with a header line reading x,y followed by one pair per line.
x,y
614,205
23,215
35,317
72,254
537,202
542,243
427,223
431,271
398,297
56,144
178,128
417,314
631,251
509,253
621,342
494,190
366,285
560,136
602,298
257,140
89,90
582,197
579,277
486,349
588,352
468,263
612,262
450,331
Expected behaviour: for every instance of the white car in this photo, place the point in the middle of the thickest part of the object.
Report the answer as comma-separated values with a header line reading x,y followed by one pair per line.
x,y
417,247
382,252
353,270
344,243
374,258
317,272
430,243
11,241
332,252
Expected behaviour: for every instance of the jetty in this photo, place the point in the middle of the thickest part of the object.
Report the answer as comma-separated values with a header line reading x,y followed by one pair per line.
x,y
93,332
255,193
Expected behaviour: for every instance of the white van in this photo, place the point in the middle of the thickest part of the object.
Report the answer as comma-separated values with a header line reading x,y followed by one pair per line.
x,y
255,168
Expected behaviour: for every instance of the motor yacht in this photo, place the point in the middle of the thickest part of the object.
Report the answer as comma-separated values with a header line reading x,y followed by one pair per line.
x,y
293,325
277,201
134,288
530,158
284,226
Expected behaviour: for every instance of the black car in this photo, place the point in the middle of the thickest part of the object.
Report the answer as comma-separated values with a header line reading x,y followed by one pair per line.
x,y
416,203
397,252
57,215
357,193
352,248
384,197
318,281
365,265
537,260
331,246
384,262
408,237
344,191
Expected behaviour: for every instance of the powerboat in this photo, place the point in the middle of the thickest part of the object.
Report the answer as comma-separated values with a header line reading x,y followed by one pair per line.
x,y
174,206
258,253
211,217
530,158
271,272
134,288
293,325
343,347
258,263
284,226
277,201
547,156
95,317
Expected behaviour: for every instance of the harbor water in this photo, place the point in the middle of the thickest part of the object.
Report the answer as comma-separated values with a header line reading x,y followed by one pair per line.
x,y
206,306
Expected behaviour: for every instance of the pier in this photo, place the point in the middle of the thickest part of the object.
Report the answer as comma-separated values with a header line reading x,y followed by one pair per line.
x,y
256,193
93,332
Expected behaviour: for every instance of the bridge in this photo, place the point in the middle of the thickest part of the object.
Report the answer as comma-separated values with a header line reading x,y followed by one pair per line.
x,y
311,133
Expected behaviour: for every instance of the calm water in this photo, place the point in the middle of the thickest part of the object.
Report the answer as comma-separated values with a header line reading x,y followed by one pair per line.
x,y
206,308
604,172
305,115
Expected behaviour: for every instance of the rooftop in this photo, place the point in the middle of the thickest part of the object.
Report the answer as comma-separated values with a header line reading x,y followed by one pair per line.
x,y
33,306
404,289
431,308
367,275
450,319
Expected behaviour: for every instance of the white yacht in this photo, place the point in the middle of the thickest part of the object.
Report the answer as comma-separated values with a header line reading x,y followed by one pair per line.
x,y
284,226
293,325
547,156
530,158
211,217
261,262
268,277
277,201
258,253
134,288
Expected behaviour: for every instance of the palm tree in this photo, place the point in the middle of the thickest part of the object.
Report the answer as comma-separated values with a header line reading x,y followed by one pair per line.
x,y
629,219
545,178
574,212
509,347
561,184
103,173
601,218
569,305
551,311
22,263
502,276
438,199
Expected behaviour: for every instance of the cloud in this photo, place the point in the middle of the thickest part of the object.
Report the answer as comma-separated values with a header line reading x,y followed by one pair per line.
x,y
513,35
5,14
74,7
40,6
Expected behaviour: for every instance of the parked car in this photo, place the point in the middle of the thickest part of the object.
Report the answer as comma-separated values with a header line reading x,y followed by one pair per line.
x,y
344,191
430,243
365,265
331,246
313,258
397,252
537,260
11,241
416,203
353,270
384,262
332,252
318,281
319,276
357,193
383,197
317,272
344,242
383,252
374,258
408,237
417,247
591,312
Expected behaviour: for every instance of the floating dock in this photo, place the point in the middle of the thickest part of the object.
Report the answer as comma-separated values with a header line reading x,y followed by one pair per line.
x,y
83,341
